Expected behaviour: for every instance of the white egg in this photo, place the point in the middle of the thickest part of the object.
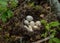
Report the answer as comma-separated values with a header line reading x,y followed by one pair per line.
x,y
28,28
29,18
35,27
38,23
32,23
25,26
26,22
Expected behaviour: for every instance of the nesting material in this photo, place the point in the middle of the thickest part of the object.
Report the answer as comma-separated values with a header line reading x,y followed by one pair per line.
x,y
42,15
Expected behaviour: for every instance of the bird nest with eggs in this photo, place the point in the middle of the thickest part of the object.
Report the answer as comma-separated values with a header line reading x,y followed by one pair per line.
x,y
31,23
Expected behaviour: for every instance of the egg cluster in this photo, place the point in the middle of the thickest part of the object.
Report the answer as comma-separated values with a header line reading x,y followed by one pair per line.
x,y
30,25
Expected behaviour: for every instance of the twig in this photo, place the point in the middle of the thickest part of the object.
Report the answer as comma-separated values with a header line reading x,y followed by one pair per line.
x,y
43,39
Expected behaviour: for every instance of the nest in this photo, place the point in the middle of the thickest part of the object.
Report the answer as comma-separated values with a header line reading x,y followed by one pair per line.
x,y
14,26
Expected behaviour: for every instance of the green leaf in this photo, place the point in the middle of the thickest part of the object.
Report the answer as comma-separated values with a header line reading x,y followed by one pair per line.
x,y
9,13
13,3
3,6
4,0
44,22
53,33
5,11
47,27
54,24
3,3
3,17
56,40
44,34
50,41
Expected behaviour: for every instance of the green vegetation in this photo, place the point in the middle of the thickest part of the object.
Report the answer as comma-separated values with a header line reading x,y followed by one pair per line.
x,y
5,9
52,32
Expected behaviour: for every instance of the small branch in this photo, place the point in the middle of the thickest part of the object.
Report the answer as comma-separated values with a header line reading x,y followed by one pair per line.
x,y
43,39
